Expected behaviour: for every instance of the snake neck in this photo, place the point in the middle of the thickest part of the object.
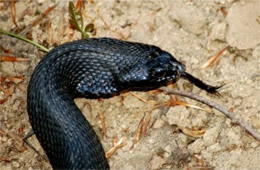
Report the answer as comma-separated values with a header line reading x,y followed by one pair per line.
x,y
64,133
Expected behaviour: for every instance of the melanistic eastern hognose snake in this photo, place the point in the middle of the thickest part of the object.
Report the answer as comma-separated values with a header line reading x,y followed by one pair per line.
x,y
92,68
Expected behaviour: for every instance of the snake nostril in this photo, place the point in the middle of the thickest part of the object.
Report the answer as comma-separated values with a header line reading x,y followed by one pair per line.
x,y
181,68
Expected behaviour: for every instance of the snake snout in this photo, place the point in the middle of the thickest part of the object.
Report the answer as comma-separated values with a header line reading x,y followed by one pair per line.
x,y
181,68
177,68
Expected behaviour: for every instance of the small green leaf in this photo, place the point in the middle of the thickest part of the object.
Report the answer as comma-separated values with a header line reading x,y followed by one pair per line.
x,y
76,21
76,17
89,28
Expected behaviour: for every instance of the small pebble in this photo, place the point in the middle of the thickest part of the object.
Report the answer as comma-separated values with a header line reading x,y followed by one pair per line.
x,y
179,116
158,124
168,149
219,31
15,164
254,144
157,162
9,142
4,138
151,141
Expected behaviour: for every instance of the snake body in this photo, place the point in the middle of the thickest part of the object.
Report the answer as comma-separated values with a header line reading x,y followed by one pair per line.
x,y
93,68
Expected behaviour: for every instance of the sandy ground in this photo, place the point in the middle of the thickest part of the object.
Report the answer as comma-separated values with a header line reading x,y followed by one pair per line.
x,y
193,31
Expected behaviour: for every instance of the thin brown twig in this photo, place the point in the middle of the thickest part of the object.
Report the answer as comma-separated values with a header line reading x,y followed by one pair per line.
x,y
13,12
118,145
142,99
139,131
4,159
15,79
146,122
12,58
235,117
103,123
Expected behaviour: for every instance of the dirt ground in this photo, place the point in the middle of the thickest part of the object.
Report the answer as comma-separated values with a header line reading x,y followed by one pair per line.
x,y
191,30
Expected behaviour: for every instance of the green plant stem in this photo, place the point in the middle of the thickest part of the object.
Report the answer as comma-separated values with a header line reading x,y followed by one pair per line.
x,y
24,39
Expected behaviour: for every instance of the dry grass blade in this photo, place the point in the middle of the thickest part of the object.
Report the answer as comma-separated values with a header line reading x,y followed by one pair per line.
x,y
2,132
114,140
212,59
13,12
190,105
4,159
12,59
139,130
118,145
16,79
192,133
146,123
142,99
103,123
172,102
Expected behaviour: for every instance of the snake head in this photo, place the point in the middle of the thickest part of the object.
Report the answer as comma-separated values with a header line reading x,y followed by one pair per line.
x,y
157,69
164,68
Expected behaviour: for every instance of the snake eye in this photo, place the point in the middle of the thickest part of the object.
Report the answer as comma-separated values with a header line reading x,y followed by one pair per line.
x,y
159,72
154,55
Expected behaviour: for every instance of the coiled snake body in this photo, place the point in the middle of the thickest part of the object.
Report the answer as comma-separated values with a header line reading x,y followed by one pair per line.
x,y
93,68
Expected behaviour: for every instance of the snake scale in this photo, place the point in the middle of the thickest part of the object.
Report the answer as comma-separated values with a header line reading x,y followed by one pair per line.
x,y
92,68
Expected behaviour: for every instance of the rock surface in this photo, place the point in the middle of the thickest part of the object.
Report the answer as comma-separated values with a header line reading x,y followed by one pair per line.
x,y
244,24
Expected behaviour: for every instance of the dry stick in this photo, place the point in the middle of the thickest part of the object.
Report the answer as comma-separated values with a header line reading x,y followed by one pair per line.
x,y
13,12
103,123
235,118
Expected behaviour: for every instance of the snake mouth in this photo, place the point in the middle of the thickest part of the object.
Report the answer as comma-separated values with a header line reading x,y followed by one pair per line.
x,y
178,70
174,75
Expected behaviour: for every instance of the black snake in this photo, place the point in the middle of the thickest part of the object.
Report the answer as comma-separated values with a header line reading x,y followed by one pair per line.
x,y
93,68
